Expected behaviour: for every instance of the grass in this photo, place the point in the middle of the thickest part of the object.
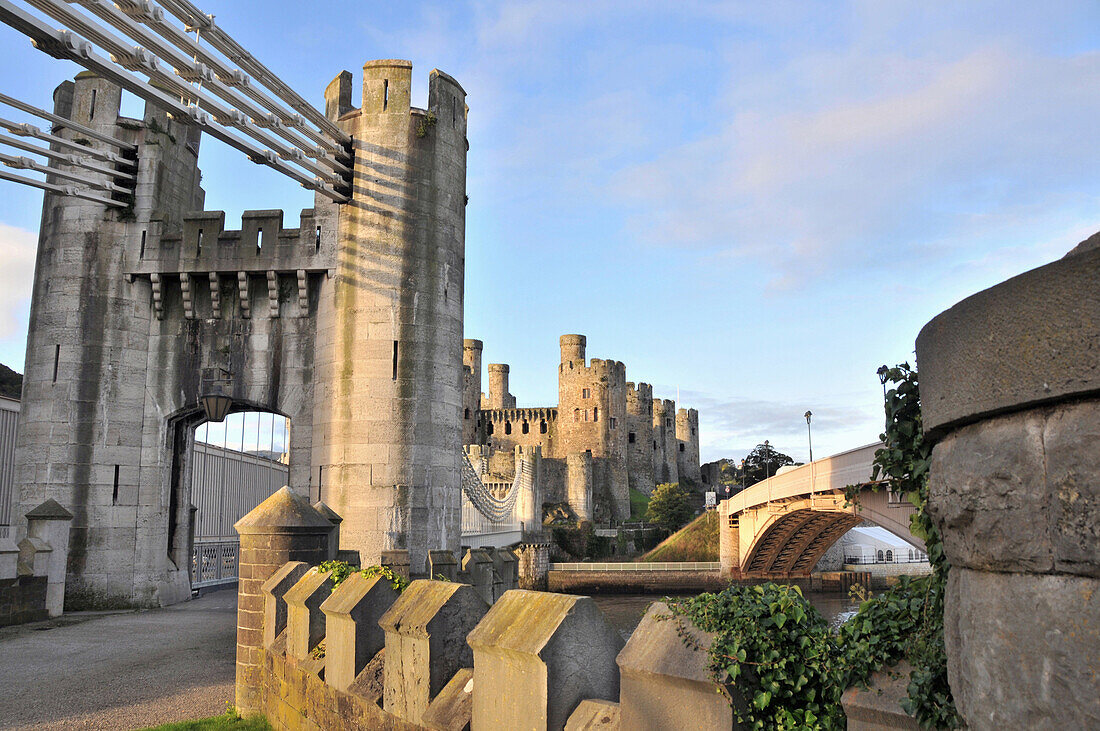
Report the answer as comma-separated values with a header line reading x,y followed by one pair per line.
x,y
696,541
228,721
638,505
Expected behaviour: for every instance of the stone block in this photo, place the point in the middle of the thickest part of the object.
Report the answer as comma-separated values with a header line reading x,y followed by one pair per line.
x,y
9,558
505,570
333,518
878,706
666,683
593,715
477,571
426,631
273,603
396,561
305,622
451,710
442,565
352,633
1023,650
34,557
551,651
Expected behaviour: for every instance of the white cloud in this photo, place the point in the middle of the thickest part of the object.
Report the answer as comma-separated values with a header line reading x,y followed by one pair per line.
x,y
17,252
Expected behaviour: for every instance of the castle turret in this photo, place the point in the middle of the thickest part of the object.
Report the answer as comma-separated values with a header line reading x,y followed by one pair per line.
x,y
471,389
664,441
687,445
572,350
639,436
499,398
388,361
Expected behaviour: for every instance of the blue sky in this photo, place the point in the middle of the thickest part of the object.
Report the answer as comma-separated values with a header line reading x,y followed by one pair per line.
x,y
754,203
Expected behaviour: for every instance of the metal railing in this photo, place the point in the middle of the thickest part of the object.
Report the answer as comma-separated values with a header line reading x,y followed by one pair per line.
x,y
214,563
640,566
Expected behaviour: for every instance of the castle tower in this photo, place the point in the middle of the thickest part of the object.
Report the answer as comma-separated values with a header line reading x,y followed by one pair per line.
x,y
687,447
664,441
388,391
592,417
81,430
639,437
499,398
471,389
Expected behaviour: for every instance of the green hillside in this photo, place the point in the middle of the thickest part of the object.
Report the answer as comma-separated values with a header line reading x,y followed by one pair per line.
x,y
11,383
696,541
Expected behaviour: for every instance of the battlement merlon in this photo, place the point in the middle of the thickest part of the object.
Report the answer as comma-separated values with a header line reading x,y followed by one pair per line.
x,y
203,244
519,415
387,89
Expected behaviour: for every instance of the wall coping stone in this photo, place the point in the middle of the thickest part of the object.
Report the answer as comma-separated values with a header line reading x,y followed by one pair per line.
x,y
1025,342
49,510
593,715
284,512
453,708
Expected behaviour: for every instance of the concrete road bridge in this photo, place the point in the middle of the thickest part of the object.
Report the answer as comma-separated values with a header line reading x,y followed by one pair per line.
x,y
780,528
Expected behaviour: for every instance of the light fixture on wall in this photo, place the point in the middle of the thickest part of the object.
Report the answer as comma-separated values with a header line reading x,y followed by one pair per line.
x,y
215,400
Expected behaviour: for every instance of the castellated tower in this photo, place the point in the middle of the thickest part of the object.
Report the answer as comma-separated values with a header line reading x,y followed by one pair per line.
x,y
687,447
471,389
592,417
664,441
639,436
499,398
389,350
86,418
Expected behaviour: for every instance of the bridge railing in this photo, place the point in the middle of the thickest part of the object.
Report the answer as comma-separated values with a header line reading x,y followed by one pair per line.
x,y
640,566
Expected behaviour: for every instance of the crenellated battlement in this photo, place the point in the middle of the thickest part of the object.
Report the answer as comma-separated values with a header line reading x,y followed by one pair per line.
x,y
664,408
531,415
639,399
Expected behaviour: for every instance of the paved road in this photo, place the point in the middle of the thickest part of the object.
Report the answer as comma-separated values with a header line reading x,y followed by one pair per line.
x,y
121,670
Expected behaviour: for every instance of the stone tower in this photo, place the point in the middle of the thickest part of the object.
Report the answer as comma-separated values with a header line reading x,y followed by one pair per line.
x,y
389,340
592,417
664,441
639,436
82,430
471,389
687,447
499,398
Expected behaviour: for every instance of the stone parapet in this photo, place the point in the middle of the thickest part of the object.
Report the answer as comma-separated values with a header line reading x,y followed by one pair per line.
x,y
1009,390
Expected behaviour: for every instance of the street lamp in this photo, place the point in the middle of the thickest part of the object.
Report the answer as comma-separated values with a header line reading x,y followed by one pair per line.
x,y
767,463
216,401
808,435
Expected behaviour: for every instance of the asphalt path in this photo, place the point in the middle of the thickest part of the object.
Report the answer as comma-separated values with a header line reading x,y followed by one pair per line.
x,y
121,670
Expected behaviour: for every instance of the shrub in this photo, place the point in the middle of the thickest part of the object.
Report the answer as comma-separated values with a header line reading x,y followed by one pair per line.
x,y
669,507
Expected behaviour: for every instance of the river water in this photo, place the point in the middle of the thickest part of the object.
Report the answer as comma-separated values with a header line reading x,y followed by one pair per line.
x,y
624,611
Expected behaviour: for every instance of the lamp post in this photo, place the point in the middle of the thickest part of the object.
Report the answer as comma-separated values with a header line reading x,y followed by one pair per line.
x,y
809,437
742,475
767,463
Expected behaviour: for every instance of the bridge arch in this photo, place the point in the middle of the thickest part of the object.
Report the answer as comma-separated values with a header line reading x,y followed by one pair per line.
x,y
781,527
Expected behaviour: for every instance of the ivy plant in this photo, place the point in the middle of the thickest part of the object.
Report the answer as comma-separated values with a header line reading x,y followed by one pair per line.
x,y
341,570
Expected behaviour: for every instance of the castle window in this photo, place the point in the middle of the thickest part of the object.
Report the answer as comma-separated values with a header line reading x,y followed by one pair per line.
x,y
507,427
692,431
489,429
586,414
395,360
542,427
612,422
141,254
385,94
596,414
681,446
668,422
198,243
630,437
586,393
526,427
654,445
91,107
576,415
467,415
317,240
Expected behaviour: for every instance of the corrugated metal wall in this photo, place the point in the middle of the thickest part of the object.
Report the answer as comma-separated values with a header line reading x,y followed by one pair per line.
x,y
9,420
225,485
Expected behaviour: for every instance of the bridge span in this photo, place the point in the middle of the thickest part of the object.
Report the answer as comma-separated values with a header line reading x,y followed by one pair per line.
x,y
781,527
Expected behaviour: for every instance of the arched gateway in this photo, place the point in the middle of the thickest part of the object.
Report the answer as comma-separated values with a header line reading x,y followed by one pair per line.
x,y
348,322
781,527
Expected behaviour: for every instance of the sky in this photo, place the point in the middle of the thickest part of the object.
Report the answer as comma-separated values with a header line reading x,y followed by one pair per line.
x,y
752,205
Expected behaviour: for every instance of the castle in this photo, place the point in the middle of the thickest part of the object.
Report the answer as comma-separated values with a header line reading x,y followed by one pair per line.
x,y
605,435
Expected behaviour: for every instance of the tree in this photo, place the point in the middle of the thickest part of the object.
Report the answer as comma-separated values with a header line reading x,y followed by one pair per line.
x,y
669,506
763,462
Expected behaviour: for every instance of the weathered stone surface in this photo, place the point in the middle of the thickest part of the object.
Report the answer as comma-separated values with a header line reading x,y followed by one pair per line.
x,y
451,710
426,632
551,651
274,589
334,537
1030,340
305,622
442,565
1024,650
284,512
477,571
878,706
666,683
593,715
1022,491
352,633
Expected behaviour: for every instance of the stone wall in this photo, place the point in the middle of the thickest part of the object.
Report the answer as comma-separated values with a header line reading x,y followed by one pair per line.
x,y
33,566
1009,384
639,437
635,582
